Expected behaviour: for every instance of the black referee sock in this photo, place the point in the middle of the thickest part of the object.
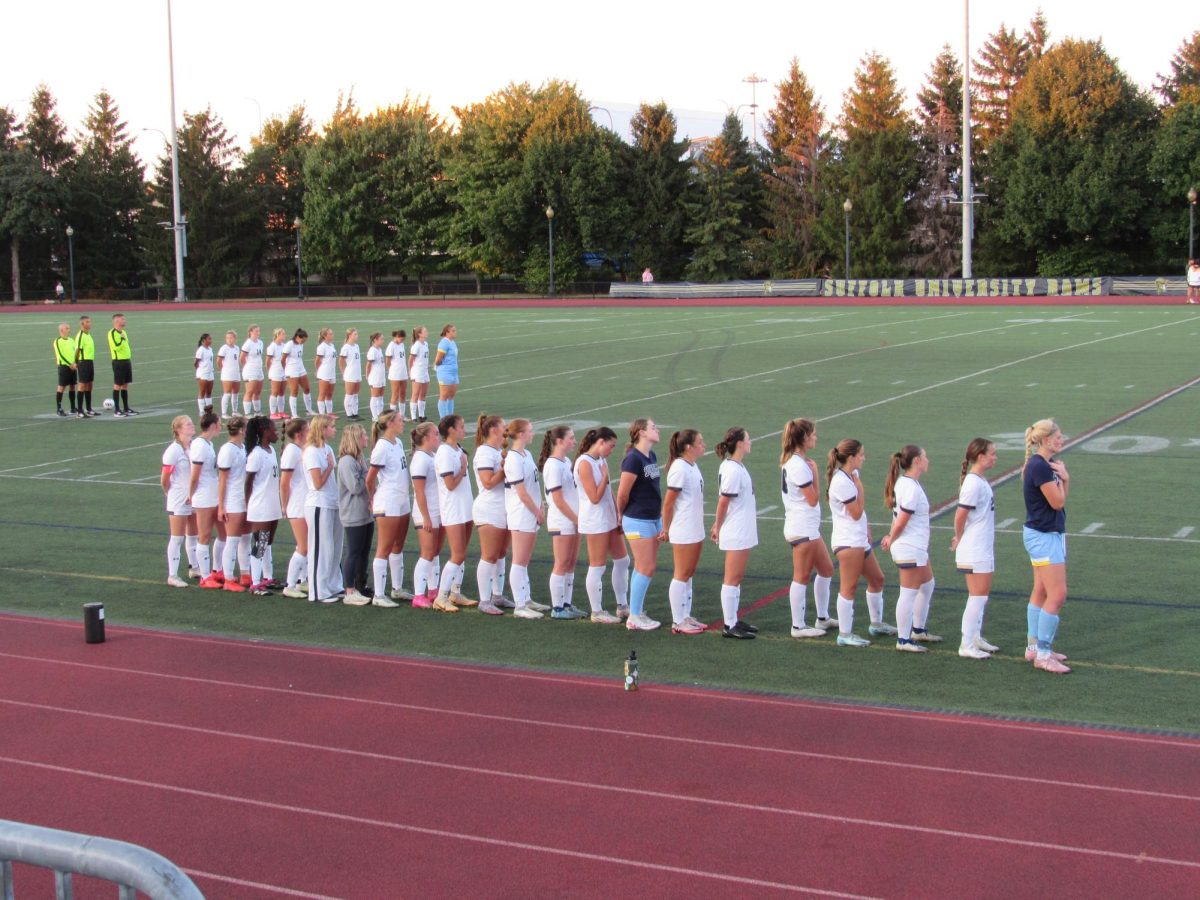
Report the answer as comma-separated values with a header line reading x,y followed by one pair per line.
x,y
125,399
116,400
73,407
58,400
88,396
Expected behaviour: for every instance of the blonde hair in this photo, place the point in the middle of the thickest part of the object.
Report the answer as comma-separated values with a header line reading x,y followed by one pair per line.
x,y
325,334
350,331
177,424
382,422
278,333
1036,433
354,439
316,430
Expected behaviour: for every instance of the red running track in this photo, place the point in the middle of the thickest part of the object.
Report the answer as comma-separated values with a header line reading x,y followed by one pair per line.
x,y
274,770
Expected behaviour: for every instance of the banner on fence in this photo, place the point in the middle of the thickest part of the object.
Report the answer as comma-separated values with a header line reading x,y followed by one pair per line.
x,y
965,287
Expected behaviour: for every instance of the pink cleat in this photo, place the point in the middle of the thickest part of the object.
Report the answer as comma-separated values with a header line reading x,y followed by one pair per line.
x,y
422,601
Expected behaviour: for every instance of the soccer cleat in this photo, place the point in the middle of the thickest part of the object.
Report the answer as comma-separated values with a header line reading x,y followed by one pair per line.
x,y
246,580
909,646
805,631
746,626
737,632
132,412
176,581
502,602
262,589
118,414
827,623
603,617
336,598
422,601
92,414
972,651
295,593
487,607
459,600
1031,654
210,583
852,640
881,628
526,612
622,612
568,611
354,598
442,603
641,623
219,575
384,602
1050,664
233,587
985,646
692,620
301,586
65,414
925,636
400,594
80,415
193,572
687,627
538,607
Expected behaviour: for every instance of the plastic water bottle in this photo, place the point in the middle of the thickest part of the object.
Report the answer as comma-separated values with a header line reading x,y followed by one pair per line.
x,y
631,671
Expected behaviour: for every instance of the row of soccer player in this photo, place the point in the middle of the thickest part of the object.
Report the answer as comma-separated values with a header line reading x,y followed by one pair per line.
x,y
334,504
242,370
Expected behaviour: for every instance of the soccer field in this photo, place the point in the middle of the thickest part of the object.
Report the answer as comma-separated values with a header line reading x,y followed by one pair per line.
x,y
83,512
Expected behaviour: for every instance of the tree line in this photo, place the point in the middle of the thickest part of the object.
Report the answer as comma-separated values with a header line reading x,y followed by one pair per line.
x,y
1078,171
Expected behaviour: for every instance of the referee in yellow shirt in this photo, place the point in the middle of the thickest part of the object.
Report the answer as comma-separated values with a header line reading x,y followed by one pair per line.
x,y
85,365
64,356
122,366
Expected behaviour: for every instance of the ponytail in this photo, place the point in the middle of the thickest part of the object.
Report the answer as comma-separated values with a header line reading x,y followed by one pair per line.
x,y
680,441
381,424
254,429
795,435
421,434
902,461
515,427
975,449
838,455
636,427
448,422
593,435
554,434
1036,433
728,445
484,426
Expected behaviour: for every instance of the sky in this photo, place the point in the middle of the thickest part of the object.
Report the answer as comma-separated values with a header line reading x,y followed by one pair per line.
x,y
250,60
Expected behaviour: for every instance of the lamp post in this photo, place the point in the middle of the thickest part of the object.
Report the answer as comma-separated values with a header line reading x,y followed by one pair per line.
x,y
71,256
298,225
1191,195
846,207
550,222
179,225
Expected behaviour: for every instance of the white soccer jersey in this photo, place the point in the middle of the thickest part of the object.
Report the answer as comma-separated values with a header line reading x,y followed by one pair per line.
x,y
520,468
739,531
391,477
595,518
687,518
176,459
326,362
263,503
353,357
292,460
230,356
418,369
489,502
799,519
253,369
847,532
423,473
204,371
320,458
231,459
397,364
558,477
979,535
910,498
202,453
455,505
376,368
293,360
275,356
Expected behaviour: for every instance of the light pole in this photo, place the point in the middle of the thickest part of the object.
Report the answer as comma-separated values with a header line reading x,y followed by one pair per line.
x,y
180,224
298,225
968,191
1191,223
754,81
550,222
71,257
846,207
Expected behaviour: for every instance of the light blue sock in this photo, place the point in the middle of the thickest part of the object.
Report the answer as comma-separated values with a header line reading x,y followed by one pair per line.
x,y
1032,615
1047,627
638,585
441,409
450,407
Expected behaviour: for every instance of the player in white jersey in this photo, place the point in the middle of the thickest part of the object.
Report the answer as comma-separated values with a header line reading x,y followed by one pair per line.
x,y
176,479
426,513
562,518
350,361
802,529
491,520
851,541
203,365
251,361
327,366
204,498
974,535
525,513
263,506
418,372
376,374
277,374
297,375
735,529
388,489
292,492
908,541
454,502
321,513
397,372
598,521
683,522
231,505
229,359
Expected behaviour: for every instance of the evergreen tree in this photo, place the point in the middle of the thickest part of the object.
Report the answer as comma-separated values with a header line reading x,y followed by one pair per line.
x,y
1002,63
722,209
1175,168
937,230
1037,35
1184,76
656,177
30,200
45,243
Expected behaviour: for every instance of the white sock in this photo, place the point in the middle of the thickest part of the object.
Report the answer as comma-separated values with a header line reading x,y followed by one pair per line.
x,y
558,590
218,555
189,546
446,582
229,557
972,620
268,563
224,404
797,601
292,406
520,584
379,572
376,407
921,607
874,605
308,404
256,574
687,603
485,572
295,568
247,407
421,577
204,561
845,610
821,595
569,588
498,578
677,596
595,587
200,405
396,567
412,409
435,570
208,403
243,553
348,404
421,408
174,551
904,612
729,604
620,580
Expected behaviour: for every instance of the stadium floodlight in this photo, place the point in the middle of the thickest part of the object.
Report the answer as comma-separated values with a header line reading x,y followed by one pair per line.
x,y
71,256
1191,223
298,224
846,207
550,223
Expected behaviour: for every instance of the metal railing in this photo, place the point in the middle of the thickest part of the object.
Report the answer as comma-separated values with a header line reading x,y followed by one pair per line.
x,y
132,868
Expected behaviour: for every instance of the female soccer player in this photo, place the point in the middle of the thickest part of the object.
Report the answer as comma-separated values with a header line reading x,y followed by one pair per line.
x,y
263,508
293,490
445,366
176,481
524,511
388,487
908,541
321,513
397,370
376,374
231,505
736,527
229,359
251,361
350,361
1045,482
598,522
327,356
418,372
802,529
203,364
491,520
683,518
427,513
354,509
851,541
562,518
276,374
974,535
454,502
639,505
204,499
297,375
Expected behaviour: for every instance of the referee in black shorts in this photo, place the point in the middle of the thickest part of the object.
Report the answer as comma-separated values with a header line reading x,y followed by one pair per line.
x,y
85,365
122,366
64,356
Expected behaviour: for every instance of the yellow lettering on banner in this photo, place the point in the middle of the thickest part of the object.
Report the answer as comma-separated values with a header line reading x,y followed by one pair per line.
x,y
1030,286
1052,288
